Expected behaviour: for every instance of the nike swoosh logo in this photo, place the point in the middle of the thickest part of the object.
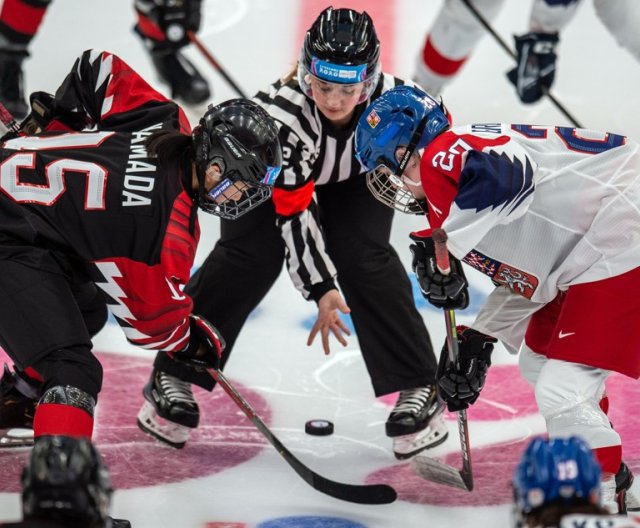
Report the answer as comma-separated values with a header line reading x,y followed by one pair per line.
x,y
562,334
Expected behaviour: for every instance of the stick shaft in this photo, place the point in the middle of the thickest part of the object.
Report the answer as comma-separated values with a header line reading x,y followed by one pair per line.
x,y
360,494
207,54
442,261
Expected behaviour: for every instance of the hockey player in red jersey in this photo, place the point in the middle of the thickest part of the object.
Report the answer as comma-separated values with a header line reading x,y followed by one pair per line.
x,y
106,219
456,31
162,25
551,215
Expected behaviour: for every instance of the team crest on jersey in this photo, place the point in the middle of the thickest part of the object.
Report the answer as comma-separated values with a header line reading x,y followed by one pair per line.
x,y
373,119
516,280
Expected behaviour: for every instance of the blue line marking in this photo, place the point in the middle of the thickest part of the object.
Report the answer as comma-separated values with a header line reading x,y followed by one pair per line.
x,y
310,522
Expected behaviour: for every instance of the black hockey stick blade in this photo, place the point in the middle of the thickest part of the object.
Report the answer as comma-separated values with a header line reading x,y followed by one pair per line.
x,y
357,493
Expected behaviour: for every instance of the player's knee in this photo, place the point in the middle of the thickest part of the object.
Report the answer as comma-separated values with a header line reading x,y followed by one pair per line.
x,y
530,364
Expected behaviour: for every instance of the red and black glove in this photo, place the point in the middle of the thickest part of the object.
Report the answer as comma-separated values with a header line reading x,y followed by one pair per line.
x,y
460,385
205,345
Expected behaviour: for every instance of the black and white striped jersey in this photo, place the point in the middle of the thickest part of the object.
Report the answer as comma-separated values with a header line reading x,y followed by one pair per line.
x,y
314,153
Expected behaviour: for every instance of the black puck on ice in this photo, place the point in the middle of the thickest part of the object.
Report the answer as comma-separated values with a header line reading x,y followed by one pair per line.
x,y
318,427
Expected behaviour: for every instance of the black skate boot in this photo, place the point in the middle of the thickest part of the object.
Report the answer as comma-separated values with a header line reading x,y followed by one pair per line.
x,y
624,481
182,76
170,410
12,83
416,422
18,400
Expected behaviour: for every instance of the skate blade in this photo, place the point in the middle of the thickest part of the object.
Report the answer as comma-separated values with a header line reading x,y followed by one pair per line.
x,y
13,438
170,433
432,436
631,501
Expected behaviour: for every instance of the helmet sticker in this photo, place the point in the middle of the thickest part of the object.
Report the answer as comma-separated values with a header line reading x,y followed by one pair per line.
x,y
338,73
373,119
220,188
271,175
234,150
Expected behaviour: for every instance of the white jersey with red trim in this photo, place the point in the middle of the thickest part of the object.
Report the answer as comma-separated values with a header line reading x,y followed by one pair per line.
x,y
536,208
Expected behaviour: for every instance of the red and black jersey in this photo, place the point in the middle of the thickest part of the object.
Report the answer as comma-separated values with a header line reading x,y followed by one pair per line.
x,y
99,196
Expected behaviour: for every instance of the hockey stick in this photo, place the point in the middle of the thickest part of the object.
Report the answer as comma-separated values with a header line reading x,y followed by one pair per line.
x,y
207,54
430,468
360,494
8,120
505,47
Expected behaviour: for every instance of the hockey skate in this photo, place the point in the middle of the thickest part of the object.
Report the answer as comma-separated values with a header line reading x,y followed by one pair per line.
x,y
16,410
416,422
12,83
169,411
182,76
624,481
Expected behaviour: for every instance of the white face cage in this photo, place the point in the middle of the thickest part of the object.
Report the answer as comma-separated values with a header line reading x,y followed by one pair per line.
x,y
392,192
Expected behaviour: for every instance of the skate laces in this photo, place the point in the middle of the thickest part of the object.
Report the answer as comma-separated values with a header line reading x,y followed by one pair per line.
x,y
175,390
413,401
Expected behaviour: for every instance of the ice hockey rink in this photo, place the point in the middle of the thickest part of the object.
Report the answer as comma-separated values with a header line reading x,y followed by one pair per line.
x,y
228,476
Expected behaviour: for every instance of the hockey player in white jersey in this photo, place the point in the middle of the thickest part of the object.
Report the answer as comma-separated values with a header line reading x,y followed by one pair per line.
x,y
552,216
456,31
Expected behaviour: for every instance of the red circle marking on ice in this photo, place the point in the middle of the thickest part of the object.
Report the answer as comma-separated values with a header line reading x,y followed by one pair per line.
x,y
224,438
507,396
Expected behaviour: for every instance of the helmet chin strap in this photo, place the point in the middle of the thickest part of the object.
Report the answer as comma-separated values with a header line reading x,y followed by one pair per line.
x,y
411,147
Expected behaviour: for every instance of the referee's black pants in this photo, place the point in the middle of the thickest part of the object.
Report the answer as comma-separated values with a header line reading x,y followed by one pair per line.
x,y
393,339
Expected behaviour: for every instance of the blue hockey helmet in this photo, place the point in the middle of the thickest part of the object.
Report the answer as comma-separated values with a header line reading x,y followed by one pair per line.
x,y
560,469
404,116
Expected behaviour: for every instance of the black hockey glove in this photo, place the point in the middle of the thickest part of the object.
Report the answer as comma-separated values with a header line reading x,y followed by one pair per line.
x,y
45,109
173,17
460,385
536,65
205,345
443,291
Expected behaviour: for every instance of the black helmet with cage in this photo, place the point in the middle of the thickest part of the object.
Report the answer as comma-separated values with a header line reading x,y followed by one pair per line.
x,y
65,480
342,47
241,138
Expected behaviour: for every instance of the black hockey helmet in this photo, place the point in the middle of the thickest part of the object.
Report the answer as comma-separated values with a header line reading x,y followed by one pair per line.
x,y
341,47
241,138
66,480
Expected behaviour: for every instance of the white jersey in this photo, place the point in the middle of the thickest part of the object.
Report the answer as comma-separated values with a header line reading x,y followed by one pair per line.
x,y
536,208
599,521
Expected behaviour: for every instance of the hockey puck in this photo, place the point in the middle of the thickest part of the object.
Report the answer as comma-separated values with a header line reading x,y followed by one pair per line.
x,y
318,427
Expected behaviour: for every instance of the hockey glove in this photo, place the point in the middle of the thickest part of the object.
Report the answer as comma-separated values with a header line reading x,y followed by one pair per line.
x,y
205,345
174,18
443,291
460,385
536,69
45,110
